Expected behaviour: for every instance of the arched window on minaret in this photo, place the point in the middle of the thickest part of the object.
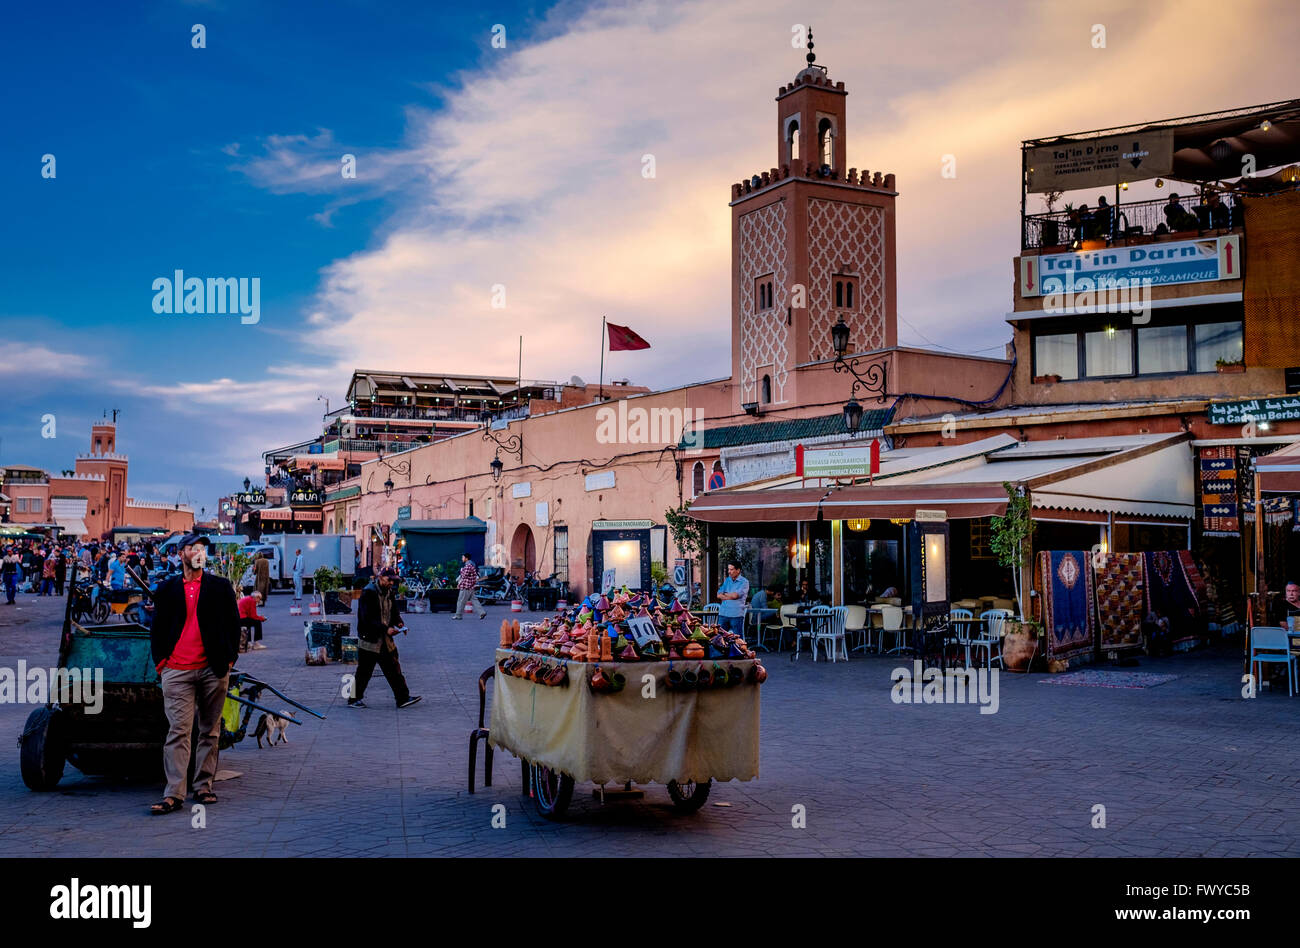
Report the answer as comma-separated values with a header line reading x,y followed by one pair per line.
x,y
792,141
767,389
826,142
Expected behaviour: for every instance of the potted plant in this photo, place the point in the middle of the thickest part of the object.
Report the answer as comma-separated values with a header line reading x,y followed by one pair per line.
x,y
1230,366
1020,643
1010,537
328,582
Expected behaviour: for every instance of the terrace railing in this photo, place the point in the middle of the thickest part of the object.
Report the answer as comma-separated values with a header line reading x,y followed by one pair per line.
x,y
1138,219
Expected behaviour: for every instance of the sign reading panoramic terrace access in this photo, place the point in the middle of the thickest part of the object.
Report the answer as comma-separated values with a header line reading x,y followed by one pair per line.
x,y
1101,162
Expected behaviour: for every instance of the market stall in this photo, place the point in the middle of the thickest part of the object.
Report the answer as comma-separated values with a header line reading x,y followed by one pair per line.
x,y
624,690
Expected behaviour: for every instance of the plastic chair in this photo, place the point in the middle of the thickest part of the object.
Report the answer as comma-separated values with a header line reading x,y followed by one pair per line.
x,y
990,638
857,619
754,620
832,634
785,623
891,621
1266,642
961,631
810,632
481,732
711,614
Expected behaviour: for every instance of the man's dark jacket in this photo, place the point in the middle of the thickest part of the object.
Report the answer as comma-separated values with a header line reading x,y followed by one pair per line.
x,y
218,613
370,624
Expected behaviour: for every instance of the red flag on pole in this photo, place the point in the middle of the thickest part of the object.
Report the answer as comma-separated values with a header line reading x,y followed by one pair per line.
x,y
622,339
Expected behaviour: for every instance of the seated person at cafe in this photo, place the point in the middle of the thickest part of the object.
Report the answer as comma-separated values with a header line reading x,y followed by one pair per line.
x,y
1220,215
1288,606
1178,217
1101,218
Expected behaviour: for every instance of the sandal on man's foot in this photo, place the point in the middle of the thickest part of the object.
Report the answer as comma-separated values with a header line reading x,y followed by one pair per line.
x,y
168,805
206,797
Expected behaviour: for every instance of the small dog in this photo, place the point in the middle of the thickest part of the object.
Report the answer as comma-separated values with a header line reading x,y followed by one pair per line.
x,y
274,728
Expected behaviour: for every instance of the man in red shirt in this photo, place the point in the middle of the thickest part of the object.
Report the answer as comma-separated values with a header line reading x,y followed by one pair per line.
x,y
249,619
195,637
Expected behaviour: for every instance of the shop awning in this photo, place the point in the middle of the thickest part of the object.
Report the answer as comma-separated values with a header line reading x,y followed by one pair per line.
x,y
1279,472
1143,476
464,525
846,503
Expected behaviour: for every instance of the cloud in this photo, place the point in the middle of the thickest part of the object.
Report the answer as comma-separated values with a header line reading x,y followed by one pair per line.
x,y
33,360
529,176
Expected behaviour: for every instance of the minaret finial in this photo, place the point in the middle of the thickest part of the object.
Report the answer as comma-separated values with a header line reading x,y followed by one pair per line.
x,y
811,57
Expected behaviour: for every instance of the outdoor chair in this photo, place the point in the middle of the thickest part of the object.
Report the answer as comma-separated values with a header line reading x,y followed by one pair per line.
x,y
810,632
785,623
891,623
961,631
831,634
1271,644
711,614
754,620
990,637
858,621
481,732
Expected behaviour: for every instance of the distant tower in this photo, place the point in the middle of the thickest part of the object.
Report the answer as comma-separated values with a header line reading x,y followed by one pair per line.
x,y
809,226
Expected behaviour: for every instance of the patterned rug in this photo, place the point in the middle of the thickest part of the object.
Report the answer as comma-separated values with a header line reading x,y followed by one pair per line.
x,y
1068,617
1171,595
1121,600
1096,678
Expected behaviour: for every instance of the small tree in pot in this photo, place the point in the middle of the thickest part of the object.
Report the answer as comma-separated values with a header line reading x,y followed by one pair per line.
x,y
1010,540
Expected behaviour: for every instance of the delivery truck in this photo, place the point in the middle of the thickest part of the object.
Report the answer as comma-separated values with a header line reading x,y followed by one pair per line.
x,y
335,550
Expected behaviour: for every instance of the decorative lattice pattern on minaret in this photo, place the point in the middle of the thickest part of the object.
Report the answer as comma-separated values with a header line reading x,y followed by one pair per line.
x,y
764,337
847,239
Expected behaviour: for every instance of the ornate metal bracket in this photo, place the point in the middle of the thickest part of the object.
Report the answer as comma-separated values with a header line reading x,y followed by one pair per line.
x,y
871,382
514,444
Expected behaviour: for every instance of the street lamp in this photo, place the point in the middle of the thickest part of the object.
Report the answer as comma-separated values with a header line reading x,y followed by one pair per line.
x,y
497,467
852,416
388,487
247,484
871,381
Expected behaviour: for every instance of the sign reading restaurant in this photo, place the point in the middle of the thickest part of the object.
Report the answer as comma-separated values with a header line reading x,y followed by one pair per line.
x,y
1165,264
1255,409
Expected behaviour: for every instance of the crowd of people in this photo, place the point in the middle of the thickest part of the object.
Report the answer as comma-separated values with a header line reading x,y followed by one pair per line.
x,y
43,567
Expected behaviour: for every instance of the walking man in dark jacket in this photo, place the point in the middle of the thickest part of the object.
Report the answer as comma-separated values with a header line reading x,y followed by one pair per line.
x,y
377,620
195,638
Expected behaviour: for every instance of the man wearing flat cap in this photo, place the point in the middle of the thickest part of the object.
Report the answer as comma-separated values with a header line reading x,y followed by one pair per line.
x,y
377,621
195,637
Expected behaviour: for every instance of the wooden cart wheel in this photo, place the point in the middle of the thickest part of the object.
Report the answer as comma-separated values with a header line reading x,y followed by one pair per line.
x,y
43,753
552,792
690,796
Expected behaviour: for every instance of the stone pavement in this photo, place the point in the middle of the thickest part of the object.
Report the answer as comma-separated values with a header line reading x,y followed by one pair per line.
x,y
1183,769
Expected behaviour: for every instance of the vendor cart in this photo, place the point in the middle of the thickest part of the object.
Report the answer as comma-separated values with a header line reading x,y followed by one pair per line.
x,y
654,728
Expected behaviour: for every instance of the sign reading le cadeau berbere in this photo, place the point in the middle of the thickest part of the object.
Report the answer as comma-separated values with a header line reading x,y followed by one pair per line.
x,y
1256,410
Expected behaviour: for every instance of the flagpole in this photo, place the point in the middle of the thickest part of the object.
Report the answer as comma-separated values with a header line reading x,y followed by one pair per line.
x,y
602,358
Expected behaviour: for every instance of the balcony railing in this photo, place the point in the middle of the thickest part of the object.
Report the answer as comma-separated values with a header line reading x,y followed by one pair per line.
x,y
1139,219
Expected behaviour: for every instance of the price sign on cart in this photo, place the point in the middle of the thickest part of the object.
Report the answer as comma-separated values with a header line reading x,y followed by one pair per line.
x,y
642,630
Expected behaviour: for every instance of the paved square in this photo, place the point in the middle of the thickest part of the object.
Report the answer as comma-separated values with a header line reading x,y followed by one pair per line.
x,y
1187,768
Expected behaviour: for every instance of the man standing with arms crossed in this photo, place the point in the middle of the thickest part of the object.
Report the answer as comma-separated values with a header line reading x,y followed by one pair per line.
x,y
466,582
195,637
297,575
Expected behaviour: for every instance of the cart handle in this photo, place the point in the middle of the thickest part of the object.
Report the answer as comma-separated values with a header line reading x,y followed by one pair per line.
x,y
262,708
301,707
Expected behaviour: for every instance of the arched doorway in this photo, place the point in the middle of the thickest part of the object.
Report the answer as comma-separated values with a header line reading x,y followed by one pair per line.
x,y
523,551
